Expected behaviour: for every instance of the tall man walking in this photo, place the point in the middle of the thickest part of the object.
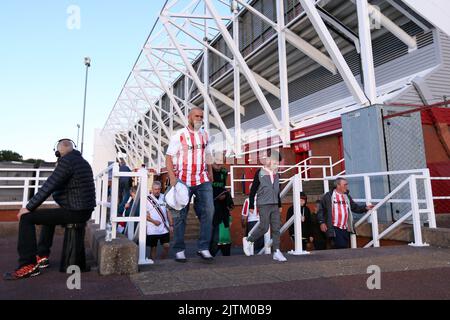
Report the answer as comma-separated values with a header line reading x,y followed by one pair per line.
x,y
186,161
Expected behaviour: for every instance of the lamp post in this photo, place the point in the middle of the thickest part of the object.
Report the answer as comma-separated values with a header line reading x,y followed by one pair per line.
x,y
87,63
78,134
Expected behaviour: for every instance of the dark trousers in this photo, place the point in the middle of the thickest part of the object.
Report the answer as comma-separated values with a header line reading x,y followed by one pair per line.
x,y
214,246
27,246
225,249
124,191
342,239
320,244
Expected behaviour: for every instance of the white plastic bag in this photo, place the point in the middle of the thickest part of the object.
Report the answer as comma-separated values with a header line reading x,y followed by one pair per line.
x,y
177,197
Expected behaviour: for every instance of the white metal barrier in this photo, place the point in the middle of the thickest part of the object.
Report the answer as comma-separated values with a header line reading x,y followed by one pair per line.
x,y
304,174
105,202
304,168
414,176
448,191
29,183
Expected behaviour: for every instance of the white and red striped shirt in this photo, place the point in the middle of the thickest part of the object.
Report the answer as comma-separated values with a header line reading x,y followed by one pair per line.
x,y
251,216
340,211
188,149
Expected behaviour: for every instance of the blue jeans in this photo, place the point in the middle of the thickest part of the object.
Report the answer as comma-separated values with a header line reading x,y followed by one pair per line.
x,y
204,209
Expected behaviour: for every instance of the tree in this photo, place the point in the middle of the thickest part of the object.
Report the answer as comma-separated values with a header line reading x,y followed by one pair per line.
x,y
8,155
37,162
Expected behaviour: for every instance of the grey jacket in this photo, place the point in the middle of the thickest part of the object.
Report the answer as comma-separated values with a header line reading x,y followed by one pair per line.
x,y
324,215
268,192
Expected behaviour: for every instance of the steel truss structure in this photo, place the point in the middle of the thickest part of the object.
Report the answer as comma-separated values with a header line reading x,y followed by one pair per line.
x,y
182,48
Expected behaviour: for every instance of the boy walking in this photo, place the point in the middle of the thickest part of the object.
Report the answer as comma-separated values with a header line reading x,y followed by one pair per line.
x,y
159,222
266,185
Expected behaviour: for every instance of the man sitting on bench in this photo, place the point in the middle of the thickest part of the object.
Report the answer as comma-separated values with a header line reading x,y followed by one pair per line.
x,y
72,187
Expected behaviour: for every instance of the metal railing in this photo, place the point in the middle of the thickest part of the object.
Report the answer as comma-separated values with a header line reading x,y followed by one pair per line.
x,y
109,204
411,181
304,168
441,179
23,183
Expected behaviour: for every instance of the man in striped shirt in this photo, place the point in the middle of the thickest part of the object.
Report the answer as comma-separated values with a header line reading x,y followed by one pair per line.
x,y
335,214
188,160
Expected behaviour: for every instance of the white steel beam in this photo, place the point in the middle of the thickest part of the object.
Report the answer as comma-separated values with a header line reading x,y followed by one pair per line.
x,y
225,99
310,51
145,127
168,92
196,79
341,28
133,129
206,119
365,39
282,65
294,39
267,85
245,69
237,85
334,51
402,35
152,106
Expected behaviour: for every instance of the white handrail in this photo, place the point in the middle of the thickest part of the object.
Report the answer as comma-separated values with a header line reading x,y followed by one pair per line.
x,y
302,166
26,186
110,205
26,169
441,197
367,215
415,211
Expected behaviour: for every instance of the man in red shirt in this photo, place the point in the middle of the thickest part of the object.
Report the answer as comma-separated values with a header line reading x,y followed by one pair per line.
x,y
186,162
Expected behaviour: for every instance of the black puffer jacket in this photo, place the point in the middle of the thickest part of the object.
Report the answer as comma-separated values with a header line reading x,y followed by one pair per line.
x,y
71,185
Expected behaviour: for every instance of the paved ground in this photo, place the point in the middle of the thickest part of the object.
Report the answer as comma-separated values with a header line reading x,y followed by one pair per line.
x,y
407,273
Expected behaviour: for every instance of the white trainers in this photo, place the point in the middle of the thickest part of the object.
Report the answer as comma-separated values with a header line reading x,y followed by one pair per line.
x,y
278,256
149,261
180,256
247,246
205,255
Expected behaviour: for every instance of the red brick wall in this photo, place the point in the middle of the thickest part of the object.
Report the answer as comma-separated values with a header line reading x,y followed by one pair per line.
x,y
8,215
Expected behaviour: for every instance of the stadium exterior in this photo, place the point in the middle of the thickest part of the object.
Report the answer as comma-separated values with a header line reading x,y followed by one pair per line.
x,y
287,78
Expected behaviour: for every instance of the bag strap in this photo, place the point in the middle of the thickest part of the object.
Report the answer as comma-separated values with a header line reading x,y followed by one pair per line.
x,y
158,209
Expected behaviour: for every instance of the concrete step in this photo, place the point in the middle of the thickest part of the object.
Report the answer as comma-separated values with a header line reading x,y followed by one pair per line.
x,y
443,220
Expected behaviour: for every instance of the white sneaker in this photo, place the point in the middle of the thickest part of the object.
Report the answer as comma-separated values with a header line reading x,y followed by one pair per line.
x,y
205,254
247,246
180,256
149,261
279,256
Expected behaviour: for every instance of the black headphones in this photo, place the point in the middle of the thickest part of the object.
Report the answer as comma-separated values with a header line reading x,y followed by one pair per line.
x,y
57,153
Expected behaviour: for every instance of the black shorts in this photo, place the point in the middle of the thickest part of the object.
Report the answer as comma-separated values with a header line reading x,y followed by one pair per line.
x,y
152,240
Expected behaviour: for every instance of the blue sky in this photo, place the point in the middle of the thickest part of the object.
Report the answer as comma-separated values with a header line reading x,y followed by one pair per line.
x,y
42,71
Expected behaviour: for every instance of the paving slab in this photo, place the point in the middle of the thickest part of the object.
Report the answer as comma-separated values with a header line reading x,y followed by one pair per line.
x,y
169,277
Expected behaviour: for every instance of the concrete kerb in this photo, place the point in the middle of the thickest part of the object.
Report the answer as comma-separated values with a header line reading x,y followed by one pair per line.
x,y
119,256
